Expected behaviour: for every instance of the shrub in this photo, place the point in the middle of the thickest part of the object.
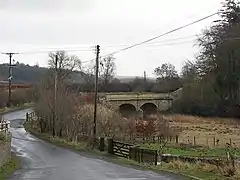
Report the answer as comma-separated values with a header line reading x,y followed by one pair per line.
x,y
19,96
3,136
109,123
157,126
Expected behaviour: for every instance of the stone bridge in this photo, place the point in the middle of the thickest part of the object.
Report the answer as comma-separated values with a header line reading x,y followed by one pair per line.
x,y
145,103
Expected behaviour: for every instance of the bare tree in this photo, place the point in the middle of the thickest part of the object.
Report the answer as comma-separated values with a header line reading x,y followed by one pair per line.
x,y
65,64
89,78
54,100
107,70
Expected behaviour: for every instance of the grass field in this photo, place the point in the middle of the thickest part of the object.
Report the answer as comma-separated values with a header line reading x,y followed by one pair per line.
x,y
193,152
15,108
206,130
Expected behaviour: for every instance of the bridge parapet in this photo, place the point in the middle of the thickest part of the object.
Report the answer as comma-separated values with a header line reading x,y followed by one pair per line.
x,y
162,101
134,97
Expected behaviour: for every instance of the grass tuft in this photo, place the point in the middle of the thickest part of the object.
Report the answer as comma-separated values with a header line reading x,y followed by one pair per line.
x,y
7,169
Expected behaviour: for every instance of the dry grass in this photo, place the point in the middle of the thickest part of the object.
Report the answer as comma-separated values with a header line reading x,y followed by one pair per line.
x,y
206,129
203,170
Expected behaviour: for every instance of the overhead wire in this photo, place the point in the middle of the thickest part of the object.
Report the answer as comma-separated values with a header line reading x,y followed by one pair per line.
x,y
157,42
161,35
133,45
49,51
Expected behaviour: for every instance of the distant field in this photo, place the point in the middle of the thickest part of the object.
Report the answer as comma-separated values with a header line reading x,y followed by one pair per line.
x,y
205,129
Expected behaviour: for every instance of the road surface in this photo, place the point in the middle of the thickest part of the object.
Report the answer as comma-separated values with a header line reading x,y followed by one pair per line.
x,y
44,161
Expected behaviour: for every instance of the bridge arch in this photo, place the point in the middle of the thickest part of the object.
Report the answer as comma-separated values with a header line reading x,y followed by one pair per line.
x,y
149,109
127,110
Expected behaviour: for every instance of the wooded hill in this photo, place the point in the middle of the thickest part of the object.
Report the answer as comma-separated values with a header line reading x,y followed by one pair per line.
x,y
23,73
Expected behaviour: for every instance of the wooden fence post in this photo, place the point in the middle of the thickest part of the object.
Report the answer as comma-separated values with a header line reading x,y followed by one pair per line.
x,y
110,146
214,141
134,153
230,142
176,139
194,141
140,155
6,127
27,117
155,158
130,153
101,144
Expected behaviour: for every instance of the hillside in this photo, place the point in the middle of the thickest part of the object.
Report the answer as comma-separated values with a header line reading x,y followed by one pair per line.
x,y
23,73
31,74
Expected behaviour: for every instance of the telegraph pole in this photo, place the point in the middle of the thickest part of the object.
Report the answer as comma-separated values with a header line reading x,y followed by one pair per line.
x,y
55,94
10,78
145,77
96,93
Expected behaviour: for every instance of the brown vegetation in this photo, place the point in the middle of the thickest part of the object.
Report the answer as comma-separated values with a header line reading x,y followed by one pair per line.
x,y
19,96
206,130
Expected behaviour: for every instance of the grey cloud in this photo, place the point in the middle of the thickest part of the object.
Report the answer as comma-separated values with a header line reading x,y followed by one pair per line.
x,y
44,5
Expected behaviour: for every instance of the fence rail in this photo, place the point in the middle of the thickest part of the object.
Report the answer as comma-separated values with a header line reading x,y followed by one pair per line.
x,y
119,148
191,141
150,156
133,152
144,155
30,116
4,126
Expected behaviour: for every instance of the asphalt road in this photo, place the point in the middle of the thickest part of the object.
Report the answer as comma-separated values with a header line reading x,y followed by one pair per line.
x,y
44,161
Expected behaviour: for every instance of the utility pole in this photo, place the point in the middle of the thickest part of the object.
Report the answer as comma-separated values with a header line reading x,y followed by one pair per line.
x,y
55,94
10,78
96,93
145,77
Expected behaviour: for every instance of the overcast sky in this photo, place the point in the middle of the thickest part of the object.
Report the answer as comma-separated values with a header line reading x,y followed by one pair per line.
x,y
39,25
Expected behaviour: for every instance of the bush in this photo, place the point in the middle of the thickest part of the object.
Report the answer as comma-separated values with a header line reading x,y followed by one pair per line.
x,y
19,96
3,136
109,123
156,126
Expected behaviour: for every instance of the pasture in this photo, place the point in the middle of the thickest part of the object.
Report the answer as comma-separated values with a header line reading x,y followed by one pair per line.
x,y
211,132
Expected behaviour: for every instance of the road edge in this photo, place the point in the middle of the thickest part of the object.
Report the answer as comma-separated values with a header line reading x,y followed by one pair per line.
x,y
10,167
14,109
108,157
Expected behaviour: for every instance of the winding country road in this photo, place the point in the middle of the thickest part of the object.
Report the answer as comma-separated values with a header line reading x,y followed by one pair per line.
x,y
44,161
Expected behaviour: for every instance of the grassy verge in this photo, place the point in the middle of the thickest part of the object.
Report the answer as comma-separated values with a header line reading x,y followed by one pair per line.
x,y
194,152
80,146
9,167
187,170
15,108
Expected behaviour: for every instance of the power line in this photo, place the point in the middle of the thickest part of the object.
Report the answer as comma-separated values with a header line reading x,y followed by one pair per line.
x,y
172,44
68,50
157,42
153,48
161,35
146,41
143,42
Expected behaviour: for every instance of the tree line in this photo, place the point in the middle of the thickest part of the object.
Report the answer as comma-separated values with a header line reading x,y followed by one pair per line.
x,y
210,82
